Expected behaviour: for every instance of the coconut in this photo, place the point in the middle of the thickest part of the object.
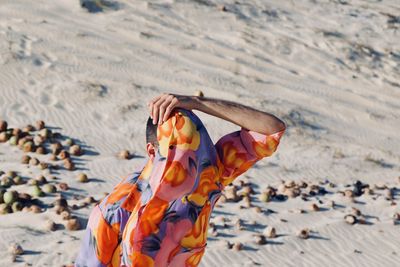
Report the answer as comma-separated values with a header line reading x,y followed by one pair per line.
x,y
231,194
75,150
355,211
6,181
28,128
63,154
16,132
350,219
56,148
3,126
38,140
49,188
41,179
40,125
11,174
124,154
4,136
237,246
10,197
37,191
303,233
198,93
89,200
50,225
33,161
25,159
33,182
73,224
69,165
13,140
4,208
265,197
65,215
18,180
28,146
68,142
314,207
260,239
62,202
41,150
257,209
16,249
21,142
82,178
17,206
270,232
63,186
43,165
35,209
331,204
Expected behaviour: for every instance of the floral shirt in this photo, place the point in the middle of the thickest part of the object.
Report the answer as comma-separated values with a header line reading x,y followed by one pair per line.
x,y
158,215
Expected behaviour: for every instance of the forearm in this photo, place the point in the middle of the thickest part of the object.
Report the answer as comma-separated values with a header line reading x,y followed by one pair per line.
x,y
244,116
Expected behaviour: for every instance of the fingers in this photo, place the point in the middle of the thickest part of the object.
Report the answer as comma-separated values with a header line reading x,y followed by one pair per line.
x,y
151,104
169,108
161,107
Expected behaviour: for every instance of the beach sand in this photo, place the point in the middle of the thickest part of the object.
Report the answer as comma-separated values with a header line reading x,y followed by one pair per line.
x,y
329,69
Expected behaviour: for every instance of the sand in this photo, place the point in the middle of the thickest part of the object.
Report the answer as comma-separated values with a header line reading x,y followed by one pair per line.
x,y
329,69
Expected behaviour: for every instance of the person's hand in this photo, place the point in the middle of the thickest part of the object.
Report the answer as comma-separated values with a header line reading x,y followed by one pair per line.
x,y
161,106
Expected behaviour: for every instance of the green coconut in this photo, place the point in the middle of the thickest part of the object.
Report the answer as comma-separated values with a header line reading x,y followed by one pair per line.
x,y
49,188
17,206
82,178
13,140
10,197
4,208
37,191
6,181
18,180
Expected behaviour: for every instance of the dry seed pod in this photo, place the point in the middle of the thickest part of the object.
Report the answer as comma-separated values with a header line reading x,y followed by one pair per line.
x,y
258,209
33,161
5,209
270,232
239,225
290,184
237,246
73,224
53,157
41,179
56,148
16,132
40,125
21,142
62,202
4,136
28,146
40,150
38,140
45,133
69,165
3,126
89,200
43,165
17,206
49,188
348,193
247,189
304,233
380,186
75,150
65,215
124,154
63,186
331,204
198,93
36,209
231,194
355,211
25,159
265,197
28,128
367,191
16,249
63,155
82,178
292,192
362,220
50,225
13,140
260,239
350,219
314,207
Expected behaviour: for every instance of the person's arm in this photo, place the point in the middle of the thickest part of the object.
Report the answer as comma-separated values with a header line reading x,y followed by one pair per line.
x,y
246,117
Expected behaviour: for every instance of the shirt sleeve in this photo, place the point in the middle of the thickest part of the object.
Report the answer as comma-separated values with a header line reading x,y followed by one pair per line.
x,y
239,150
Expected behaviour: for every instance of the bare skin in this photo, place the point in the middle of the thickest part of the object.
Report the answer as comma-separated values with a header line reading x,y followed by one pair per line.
x,y
249,118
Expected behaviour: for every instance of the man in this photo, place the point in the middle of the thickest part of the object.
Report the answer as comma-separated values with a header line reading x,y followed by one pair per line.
x,y
158,216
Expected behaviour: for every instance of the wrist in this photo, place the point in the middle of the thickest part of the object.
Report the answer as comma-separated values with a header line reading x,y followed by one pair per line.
x,y
196,102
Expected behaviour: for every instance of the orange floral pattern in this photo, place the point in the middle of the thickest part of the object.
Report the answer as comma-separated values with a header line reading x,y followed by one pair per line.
x,y
159,215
